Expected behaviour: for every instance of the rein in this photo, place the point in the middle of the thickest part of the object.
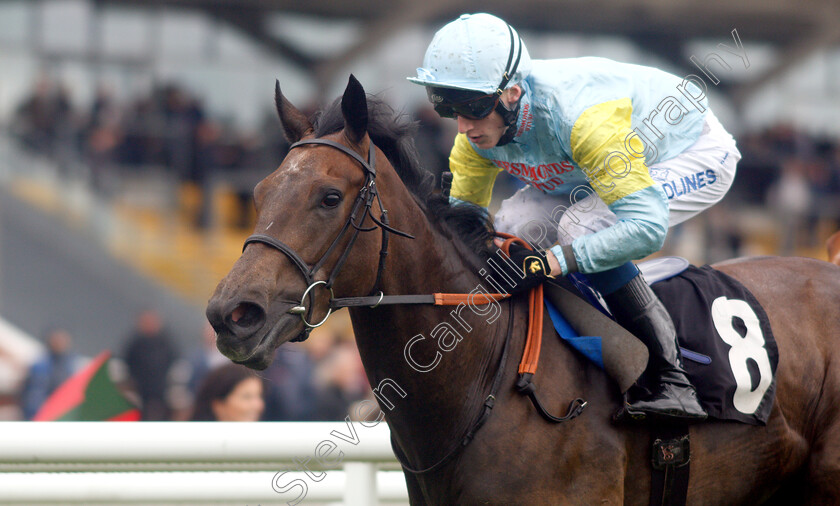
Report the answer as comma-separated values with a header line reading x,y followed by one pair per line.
x,y
489,402
366,197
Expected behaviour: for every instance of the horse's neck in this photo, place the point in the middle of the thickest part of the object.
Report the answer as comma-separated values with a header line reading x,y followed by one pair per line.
x,y
429,375
434,388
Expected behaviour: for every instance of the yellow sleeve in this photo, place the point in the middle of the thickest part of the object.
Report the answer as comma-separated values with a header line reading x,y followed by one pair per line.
x,y
472,174
597,140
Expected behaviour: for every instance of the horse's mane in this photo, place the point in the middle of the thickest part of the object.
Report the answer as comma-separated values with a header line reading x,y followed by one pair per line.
x,y
393,133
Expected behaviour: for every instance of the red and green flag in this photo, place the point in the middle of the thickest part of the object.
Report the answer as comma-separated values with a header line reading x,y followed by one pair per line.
x,y
88,395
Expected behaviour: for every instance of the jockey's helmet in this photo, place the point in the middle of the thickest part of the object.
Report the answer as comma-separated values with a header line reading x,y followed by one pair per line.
x,y
476,52
468,65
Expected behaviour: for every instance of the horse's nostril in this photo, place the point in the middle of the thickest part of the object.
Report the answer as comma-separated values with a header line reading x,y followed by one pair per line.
x,y
247,315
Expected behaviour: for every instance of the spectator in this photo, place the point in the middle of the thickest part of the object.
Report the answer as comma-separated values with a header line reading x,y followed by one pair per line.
x,y
205,359
35,117
142,145
49,372
65,128
790,197
341,381
149,356
12,374
102,137
230,393
291,394
183,113
209,153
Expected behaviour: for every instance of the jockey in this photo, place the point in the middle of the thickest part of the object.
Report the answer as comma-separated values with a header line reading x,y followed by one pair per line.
x,y
622,152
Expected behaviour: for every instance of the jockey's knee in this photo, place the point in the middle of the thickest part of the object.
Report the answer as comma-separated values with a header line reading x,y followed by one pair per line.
x,y
527,222
539,233
584,217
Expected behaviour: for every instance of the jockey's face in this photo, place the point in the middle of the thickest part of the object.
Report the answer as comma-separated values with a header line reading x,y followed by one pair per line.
x,y
486,132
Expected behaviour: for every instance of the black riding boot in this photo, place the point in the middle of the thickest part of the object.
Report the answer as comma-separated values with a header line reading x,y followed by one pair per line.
x,y
672,396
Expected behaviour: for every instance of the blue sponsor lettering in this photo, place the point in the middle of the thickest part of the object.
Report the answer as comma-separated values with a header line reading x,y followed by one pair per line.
x,y
711,175
688,184
668,190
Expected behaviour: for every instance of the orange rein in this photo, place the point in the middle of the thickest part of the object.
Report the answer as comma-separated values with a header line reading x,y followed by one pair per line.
x,y
531,355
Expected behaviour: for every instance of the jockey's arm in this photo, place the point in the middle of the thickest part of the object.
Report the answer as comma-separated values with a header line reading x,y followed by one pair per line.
x,y
622,180
473,177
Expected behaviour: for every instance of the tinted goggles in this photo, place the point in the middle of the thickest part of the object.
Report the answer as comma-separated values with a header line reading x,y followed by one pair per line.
x,y
449,103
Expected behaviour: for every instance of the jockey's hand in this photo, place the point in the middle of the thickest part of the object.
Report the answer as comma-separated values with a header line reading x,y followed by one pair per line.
x,y
531,268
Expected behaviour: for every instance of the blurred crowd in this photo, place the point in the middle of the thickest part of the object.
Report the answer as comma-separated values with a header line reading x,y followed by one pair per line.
x,y
785,199
783,172
169,129
319,380
795,177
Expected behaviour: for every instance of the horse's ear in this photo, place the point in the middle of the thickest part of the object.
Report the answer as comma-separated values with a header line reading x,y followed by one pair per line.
x,y
355,112
295,124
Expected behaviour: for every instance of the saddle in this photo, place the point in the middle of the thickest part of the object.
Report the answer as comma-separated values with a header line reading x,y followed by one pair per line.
x,y
729,351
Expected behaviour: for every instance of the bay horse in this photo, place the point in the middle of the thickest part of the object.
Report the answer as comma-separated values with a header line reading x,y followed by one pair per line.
x,y
516,457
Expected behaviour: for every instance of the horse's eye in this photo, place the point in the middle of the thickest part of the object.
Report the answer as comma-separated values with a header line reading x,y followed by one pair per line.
x,y
331,199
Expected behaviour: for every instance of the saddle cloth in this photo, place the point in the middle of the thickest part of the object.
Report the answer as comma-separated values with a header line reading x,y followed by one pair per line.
x,y
729,351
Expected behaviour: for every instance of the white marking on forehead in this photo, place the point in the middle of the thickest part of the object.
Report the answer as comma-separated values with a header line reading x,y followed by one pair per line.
x,y
293,167
269,226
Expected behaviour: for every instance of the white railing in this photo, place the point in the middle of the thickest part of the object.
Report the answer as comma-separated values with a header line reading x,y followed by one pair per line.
x,y
198,462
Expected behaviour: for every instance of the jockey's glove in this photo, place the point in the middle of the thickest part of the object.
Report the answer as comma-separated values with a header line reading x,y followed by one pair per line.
x,y
527,268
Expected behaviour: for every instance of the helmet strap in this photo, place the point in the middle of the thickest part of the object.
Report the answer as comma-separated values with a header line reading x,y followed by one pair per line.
x,y
509,117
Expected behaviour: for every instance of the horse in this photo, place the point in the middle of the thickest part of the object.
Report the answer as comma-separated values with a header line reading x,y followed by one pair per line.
x,y
833,247
431,377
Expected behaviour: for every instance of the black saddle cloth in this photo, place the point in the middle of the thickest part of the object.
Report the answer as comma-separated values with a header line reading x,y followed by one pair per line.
x,y
732,357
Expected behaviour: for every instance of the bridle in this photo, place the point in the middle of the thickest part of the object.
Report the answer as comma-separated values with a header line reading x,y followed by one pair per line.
x,y
364,202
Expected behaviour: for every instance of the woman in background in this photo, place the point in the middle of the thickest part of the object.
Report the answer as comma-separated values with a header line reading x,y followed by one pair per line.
x,y
229,393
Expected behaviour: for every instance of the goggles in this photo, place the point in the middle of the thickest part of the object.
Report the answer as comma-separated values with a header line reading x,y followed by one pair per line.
x,y
449,103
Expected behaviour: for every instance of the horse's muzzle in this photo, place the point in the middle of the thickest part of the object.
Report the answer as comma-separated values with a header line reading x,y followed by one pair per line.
x,y
238,319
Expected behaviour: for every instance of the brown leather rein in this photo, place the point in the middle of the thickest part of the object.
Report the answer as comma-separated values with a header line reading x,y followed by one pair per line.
x,y
367,195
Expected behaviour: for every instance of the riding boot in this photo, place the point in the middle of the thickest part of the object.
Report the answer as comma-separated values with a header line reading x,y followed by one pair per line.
x,y
672,396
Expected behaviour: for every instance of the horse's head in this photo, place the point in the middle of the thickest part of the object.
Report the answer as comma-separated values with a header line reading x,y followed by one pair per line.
x,y
308,212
